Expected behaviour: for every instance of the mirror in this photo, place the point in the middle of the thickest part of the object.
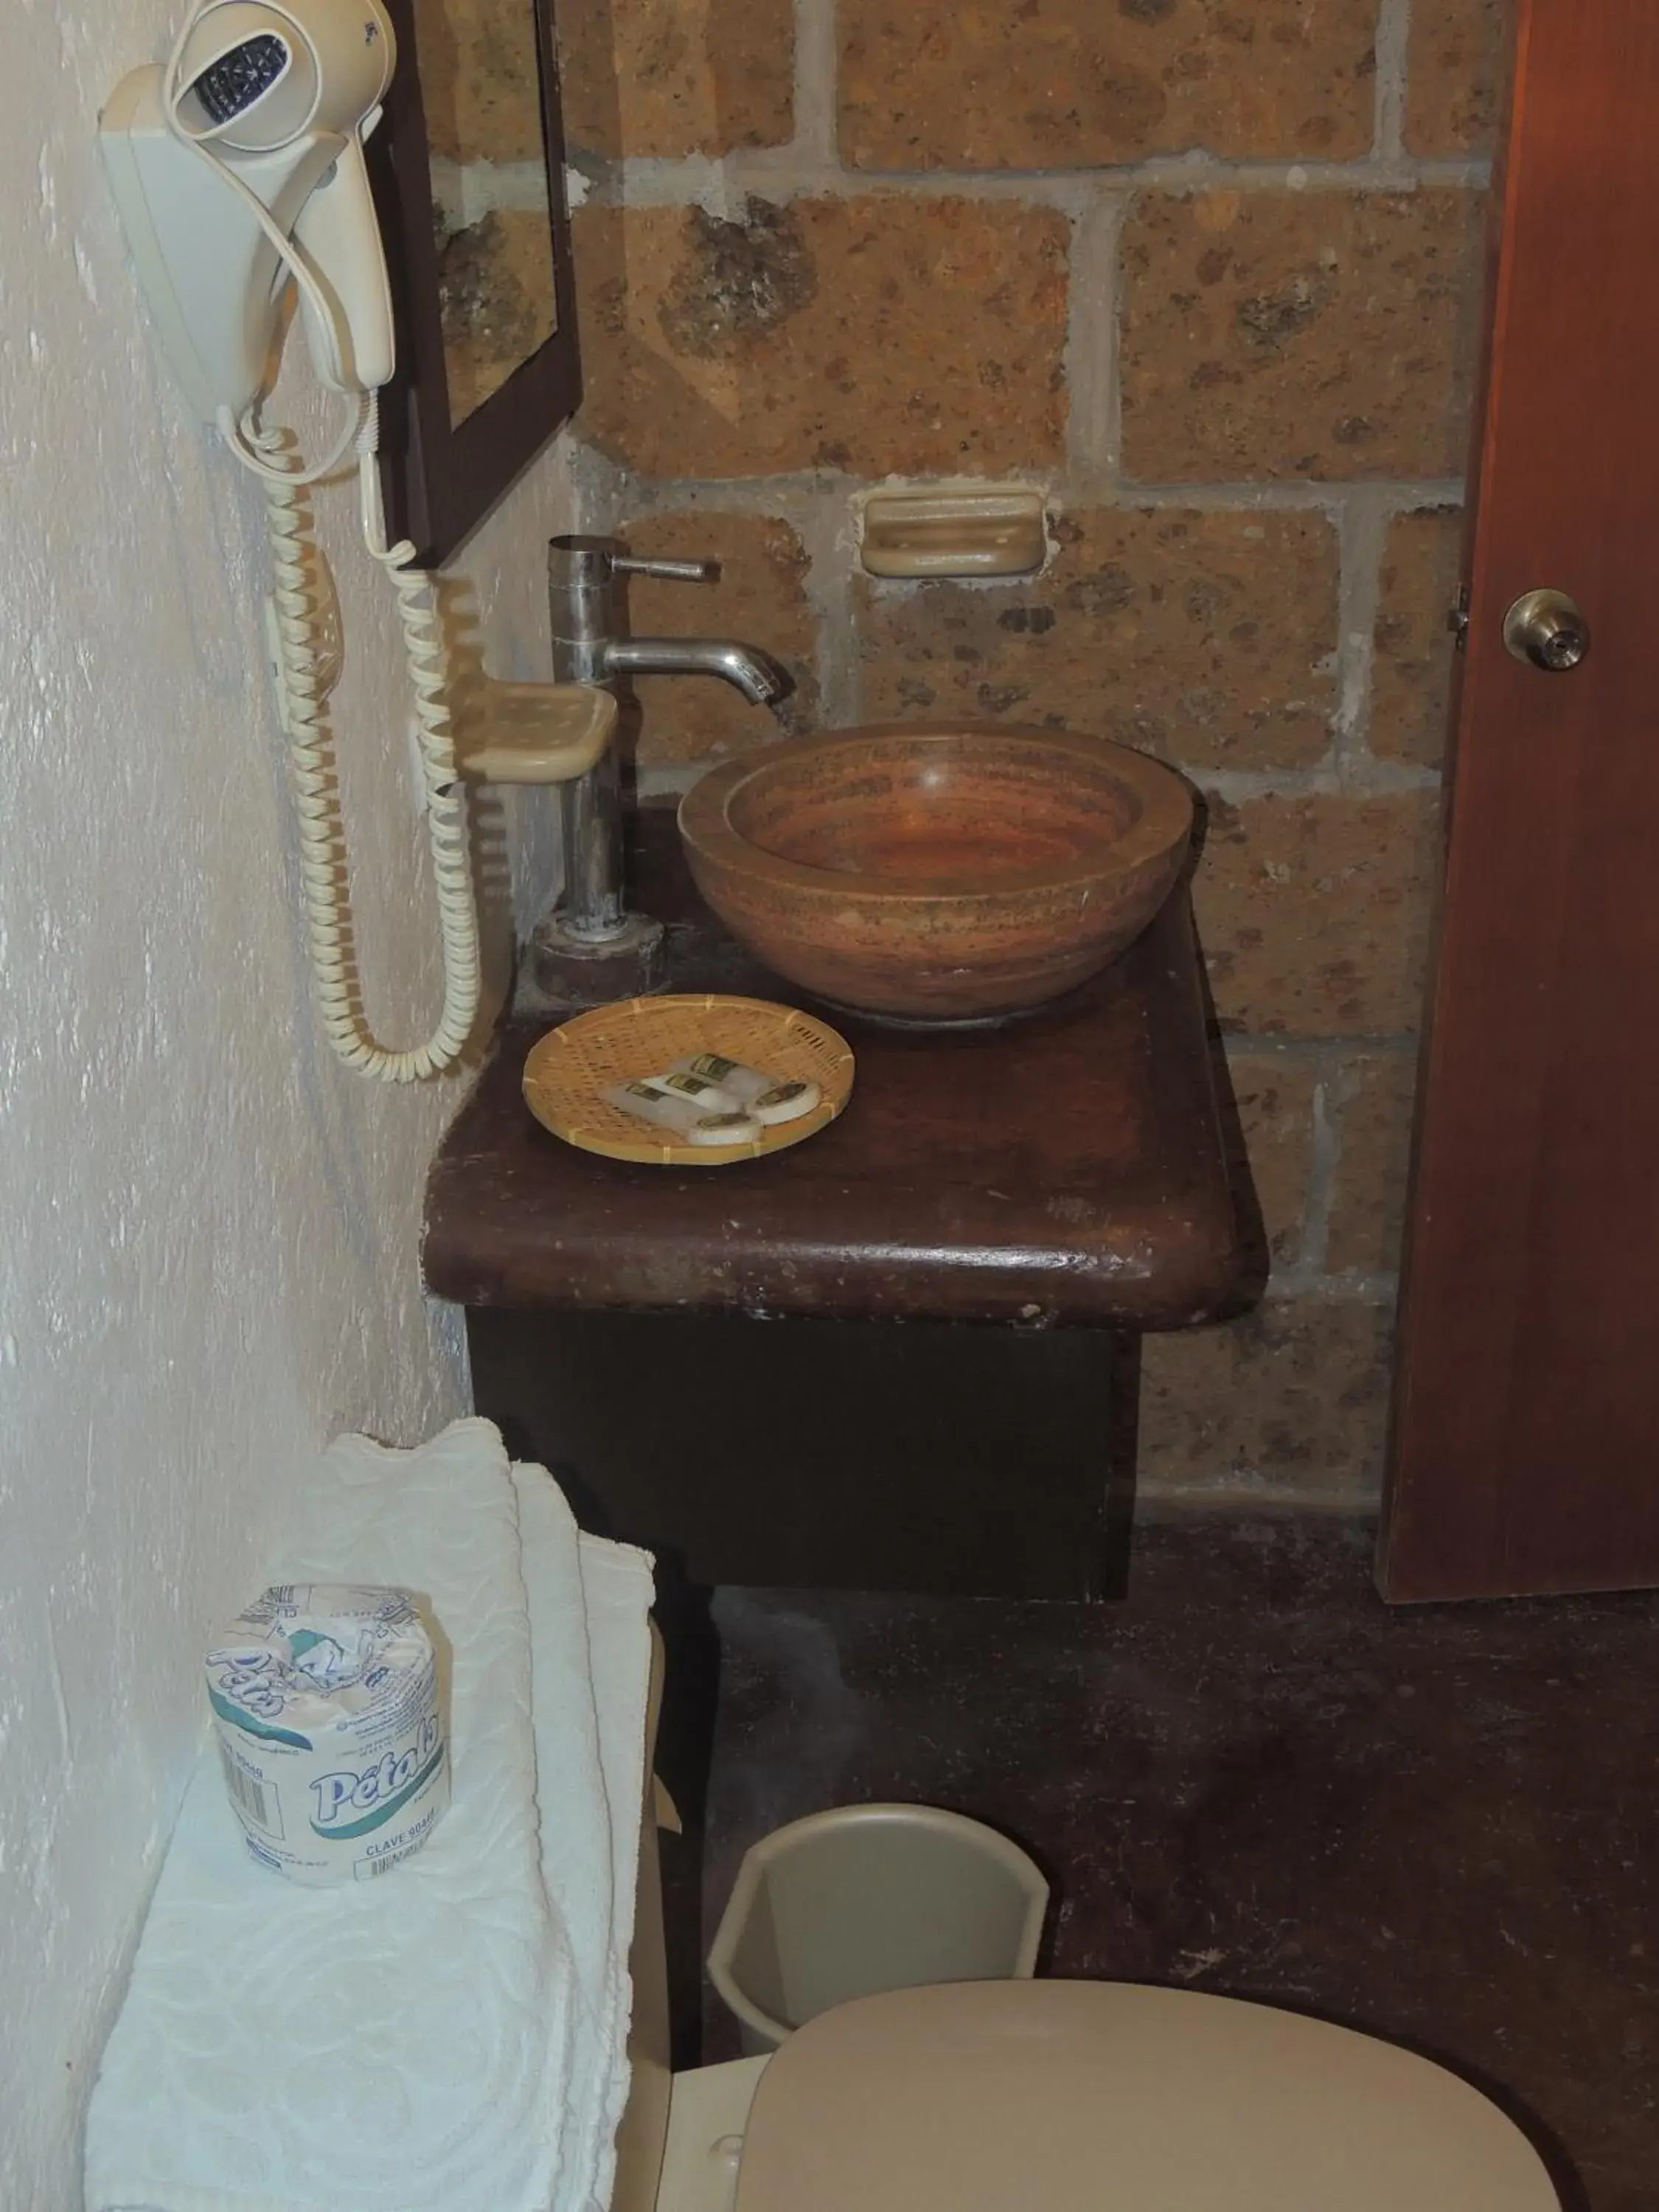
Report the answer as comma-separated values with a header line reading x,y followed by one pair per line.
x,y
492,207
471,182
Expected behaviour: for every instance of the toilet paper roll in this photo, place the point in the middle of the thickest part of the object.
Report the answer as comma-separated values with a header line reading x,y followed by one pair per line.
x,y
326,1699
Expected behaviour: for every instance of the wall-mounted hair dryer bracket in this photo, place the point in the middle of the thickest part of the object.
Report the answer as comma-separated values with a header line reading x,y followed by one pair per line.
x,y
209,273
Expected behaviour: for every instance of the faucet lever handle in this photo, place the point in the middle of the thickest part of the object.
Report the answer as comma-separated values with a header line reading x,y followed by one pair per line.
x,y
672,572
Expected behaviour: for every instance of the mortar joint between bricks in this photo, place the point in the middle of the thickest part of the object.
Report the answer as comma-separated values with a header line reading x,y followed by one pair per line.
x,y
1291,1280
1391,40
1081,484
599,486
1182,1504
817,64
1363,779
1371,1286
1325,495
1069,488
1324,1160
1361,528
828,534
1258,1043
769,495
1093,318
722,183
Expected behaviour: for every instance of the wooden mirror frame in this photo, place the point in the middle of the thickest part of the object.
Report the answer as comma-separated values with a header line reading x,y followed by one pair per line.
x,y
439,478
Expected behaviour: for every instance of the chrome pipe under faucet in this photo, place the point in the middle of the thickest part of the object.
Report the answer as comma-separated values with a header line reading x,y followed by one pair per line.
x,y
592,925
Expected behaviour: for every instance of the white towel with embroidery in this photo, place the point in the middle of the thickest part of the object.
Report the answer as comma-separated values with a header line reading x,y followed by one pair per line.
x,y
448,2039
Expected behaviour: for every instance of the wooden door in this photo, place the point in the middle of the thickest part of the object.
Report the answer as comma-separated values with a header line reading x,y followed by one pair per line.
x,y
1526,1453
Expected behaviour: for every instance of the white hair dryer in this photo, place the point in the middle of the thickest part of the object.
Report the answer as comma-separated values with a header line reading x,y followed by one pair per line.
x,y
237,171
277,97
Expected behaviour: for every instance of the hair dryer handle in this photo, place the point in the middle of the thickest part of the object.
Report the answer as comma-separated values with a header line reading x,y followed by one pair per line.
x,y
338,234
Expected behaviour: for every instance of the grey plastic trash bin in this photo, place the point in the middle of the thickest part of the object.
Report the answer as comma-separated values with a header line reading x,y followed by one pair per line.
x,y
866,1897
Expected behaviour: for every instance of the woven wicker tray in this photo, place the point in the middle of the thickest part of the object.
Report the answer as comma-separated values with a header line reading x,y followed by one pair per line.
x,y
572,1065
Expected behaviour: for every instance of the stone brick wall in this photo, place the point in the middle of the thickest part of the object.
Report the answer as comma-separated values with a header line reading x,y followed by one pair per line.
x,y
1207,271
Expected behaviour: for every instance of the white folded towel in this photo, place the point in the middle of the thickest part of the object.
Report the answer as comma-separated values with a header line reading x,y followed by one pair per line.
x,y
590,1755
449,2039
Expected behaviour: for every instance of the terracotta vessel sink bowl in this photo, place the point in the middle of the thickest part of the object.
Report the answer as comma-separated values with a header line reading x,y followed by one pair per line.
x,y
937,872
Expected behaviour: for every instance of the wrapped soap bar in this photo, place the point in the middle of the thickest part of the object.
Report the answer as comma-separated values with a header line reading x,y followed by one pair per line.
x,y
763,1095
703,1091
332,1737
649,1100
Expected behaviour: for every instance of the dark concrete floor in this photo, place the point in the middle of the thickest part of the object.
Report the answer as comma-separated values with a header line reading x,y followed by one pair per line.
x,y
1251,1776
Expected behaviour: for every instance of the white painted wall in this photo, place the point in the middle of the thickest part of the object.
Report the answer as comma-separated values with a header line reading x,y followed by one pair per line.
x,y
208,1264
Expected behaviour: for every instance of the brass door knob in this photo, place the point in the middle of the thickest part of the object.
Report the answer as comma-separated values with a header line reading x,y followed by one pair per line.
x,y
1547,630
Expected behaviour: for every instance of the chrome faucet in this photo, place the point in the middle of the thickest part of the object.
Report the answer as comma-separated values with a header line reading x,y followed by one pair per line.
x,y
592,922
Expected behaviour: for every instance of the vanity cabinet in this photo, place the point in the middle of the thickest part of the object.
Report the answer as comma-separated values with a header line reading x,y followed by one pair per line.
x,y
900,1356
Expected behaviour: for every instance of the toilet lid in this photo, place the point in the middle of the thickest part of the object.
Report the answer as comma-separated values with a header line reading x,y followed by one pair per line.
x,y
1108,2097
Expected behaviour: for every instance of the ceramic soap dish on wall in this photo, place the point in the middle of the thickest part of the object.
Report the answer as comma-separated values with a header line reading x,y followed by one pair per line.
x,y
965,530
571,1067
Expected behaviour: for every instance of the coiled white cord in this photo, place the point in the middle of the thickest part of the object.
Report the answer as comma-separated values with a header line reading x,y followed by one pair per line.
x,y
269,454
311,753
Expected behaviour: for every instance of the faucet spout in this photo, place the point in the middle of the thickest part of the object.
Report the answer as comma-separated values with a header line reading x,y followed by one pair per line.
x,y
762,680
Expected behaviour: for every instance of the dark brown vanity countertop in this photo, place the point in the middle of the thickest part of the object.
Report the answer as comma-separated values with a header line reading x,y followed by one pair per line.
x,y
1067,1167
